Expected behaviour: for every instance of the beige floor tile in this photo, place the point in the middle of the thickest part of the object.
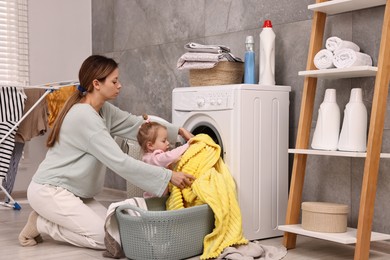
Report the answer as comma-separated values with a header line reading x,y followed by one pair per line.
x,y
12,222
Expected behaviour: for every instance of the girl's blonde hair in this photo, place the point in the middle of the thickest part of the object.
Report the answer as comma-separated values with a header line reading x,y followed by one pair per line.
x,y
148,133
94,67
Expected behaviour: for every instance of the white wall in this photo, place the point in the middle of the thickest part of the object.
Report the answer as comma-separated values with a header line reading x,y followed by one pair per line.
x,y
60,38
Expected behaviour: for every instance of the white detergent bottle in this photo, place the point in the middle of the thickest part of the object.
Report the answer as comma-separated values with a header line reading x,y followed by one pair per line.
x,y
353,136
326,133
267,55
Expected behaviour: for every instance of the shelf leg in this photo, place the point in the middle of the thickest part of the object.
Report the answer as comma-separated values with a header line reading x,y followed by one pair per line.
x,y
293,207
371,166
299,164
304,126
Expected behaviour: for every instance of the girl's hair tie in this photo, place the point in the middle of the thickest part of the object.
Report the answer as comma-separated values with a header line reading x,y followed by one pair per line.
x,y
82,90
146,118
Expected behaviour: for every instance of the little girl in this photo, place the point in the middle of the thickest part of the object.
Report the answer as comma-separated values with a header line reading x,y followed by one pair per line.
x,y
153,139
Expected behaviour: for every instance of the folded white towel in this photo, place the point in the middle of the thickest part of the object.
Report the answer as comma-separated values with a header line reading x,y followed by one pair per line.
x,y
197,65
197,47
335,43
199,56
195,60
221,49
345,58
324,59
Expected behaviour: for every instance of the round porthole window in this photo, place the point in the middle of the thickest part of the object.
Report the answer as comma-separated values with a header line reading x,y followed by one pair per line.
x,y
206,128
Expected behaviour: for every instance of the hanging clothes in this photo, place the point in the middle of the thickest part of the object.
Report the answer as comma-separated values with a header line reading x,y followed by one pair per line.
x,y
11,110
36,123
33,125
56,101
13,167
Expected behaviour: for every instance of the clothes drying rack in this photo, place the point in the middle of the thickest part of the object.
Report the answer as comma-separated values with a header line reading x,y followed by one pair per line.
x,y
49,87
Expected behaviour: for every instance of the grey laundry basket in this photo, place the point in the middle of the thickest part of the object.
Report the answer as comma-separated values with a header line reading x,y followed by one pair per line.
x,y
161,234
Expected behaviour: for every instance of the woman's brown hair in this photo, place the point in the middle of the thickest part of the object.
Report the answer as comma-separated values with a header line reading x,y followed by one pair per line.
x,y
94,67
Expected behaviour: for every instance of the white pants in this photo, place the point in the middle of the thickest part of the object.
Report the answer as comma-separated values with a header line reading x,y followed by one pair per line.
x,y
67,218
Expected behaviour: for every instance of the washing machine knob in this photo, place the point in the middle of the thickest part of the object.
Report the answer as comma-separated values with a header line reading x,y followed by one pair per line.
x,y
219,101
212,102
200,102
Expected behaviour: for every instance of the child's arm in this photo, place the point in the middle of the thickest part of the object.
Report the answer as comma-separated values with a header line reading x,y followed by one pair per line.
x,y
166,158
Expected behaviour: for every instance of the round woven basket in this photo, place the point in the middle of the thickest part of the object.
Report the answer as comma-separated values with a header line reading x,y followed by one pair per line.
x,y
224,73
324,217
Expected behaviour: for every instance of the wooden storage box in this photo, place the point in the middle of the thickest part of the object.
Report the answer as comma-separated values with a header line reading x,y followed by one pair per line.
x,y
324,217
224,73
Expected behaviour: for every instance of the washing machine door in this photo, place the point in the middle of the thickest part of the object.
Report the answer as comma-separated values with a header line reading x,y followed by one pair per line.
x,y
200,123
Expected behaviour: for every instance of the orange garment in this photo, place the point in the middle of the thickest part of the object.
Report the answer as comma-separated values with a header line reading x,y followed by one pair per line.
x,y
56,100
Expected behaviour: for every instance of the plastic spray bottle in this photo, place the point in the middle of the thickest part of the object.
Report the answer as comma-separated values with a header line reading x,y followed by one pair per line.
x,y
249,75
267,55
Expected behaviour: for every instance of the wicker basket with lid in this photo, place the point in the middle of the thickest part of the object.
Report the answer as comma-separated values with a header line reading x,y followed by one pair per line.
x,y
324,217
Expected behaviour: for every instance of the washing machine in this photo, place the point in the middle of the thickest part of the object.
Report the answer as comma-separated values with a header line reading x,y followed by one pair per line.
x,y
250,123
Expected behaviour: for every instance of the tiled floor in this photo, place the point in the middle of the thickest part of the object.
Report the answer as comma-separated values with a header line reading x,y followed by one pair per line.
x,y
12,221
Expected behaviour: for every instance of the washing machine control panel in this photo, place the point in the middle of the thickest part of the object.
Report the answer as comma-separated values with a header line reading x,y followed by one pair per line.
x,y
209,100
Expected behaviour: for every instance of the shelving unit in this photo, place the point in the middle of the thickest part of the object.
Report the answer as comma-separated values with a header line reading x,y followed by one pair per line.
x,y
342,6
334,153
353,72
363,234
348,237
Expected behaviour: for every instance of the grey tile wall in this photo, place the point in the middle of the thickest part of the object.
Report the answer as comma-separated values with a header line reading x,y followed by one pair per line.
x,y
147,37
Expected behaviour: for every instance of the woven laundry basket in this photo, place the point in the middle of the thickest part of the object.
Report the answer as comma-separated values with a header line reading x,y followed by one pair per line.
x,y
160,234
224,73
324,217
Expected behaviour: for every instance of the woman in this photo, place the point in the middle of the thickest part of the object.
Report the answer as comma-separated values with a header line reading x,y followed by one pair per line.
x,y
80,145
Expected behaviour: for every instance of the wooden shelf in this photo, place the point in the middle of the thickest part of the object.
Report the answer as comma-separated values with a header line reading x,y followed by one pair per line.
x,y
334,153
348,237
341,6
352,72
363,234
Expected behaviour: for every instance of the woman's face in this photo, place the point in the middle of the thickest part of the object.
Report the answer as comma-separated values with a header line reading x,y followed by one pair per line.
x,y
109,89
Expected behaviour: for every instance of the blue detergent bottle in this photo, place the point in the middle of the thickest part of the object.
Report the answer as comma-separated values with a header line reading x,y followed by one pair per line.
x,y
249,75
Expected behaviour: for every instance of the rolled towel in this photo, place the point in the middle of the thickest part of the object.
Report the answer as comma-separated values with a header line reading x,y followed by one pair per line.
x,y
345,58
324,59
335,43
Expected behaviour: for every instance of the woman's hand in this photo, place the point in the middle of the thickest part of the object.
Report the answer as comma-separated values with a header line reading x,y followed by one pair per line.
x,y
187,135
181,179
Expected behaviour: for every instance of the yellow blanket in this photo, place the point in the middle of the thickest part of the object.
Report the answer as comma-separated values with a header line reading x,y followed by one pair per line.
x,y
215,186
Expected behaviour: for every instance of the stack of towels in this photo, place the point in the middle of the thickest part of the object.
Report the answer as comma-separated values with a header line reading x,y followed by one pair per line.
x,y
200,56
340,54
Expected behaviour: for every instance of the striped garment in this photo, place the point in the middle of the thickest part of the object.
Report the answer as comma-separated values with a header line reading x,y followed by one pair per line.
x,y
11,110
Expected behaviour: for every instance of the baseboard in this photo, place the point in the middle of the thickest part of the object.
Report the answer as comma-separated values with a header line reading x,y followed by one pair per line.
x,y
15,194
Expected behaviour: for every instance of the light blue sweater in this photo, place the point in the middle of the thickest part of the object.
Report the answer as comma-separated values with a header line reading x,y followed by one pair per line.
x,y
86,145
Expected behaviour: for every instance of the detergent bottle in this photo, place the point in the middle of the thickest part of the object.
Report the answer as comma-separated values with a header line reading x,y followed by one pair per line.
x,y
353,136
249,72
267,55
326,133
